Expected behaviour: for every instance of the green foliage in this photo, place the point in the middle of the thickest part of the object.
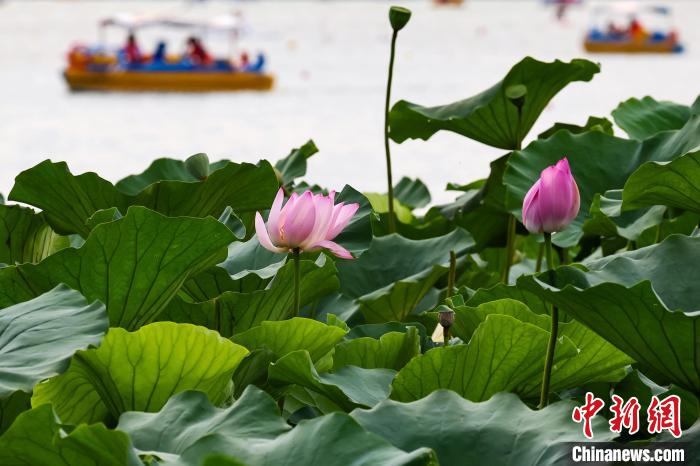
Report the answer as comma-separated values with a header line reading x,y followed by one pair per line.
x,y
38,337
68,201
599,162
643,118
636,301
37,437
143,322
135,265
502,430
674,184
503,354
140,371
489,117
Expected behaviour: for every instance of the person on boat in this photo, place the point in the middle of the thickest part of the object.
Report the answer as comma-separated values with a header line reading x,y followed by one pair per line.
x,y
245,60
132,51
159,56
197,53
614,31
636,30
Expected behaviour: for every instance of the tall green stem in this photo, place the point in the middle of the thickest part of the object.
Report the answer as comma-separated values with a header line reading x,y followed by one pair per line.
x,y
540,253
451,277
549,358
297,280
510,238
389,181
510,250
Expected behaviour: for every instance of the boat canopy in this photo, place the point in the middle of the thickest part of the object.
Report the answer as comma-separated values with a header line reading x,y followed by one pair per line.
x,y
131,22
631,8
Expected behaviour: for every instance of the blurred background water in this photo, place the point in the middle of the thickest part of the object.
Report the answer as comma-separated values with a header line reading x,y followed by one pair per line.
x,y
329,59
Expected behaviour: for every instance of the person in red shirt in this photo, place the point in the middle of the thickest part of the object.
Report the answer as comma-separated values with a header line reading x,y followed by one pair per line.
x,y
132,51
197,53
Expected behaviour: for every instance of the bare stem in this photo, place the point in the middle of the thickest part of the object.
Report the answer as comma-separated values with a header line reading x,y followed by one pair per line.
x,y
297,281
510,250
549,358
452,274
389,181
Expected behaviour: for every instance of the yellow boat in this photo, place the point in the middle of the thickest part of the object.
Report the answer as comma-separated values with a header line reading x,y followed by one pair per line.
x,y
631,28
100,68
130,81
631,46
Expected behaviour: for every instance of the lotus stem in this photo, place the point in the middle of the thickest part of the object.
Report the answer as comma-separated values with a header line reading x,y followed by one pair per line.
x,y
510,249
452,274
389,181
549,358
540,254
297,280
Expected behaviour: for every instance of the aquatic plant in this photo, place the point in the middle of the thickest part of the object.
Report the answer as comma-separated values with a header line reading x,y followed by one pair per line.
x,y
157,320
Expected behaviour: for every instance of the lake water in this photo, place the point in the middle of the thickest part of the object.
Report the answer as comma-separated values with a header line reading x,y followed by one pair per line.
x,y
330,62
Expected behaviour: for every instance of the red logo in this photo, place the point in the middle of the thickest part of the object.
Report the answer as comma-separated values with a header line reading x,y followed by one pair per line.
x,y
661,414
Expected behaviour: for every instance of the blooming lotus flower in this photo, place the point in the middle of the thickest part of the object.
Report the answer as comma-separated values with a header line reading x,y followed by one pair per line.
x,y
553,201
307,222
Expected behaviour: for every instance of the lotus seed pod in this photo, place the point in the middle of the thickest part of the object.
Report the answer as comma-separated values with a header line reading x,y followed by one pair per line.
x,y
398,17
516,94
198,166
446,315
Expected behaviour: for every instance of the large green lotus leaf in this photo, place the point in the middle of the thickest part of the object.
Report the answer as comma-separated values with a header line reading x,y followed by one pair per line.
x,y
68,201
235,312
608,219
348,387
412,193
161,170
395,273
502,431
380,204
599,162
643,118
295,334
592,124
189,430
596,360
481,210
674,184
433,224
502,355
135,265
683,224
392,350
26,237
188,417
140,371
615,298
332,440
212,283
244,187
11,407
489,117
248,267
503,291
38,337
37,438
250,257
670,266
293,166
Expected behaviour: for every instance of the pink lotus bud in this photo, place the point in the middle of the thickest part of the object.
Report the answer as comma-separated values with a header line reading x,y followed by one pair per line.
x,y
309,222
553,201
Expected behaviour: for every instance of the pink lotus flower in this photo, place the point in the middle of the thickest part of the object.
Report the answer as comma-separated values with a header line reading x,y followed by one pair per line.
x,y
553,201
308,222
